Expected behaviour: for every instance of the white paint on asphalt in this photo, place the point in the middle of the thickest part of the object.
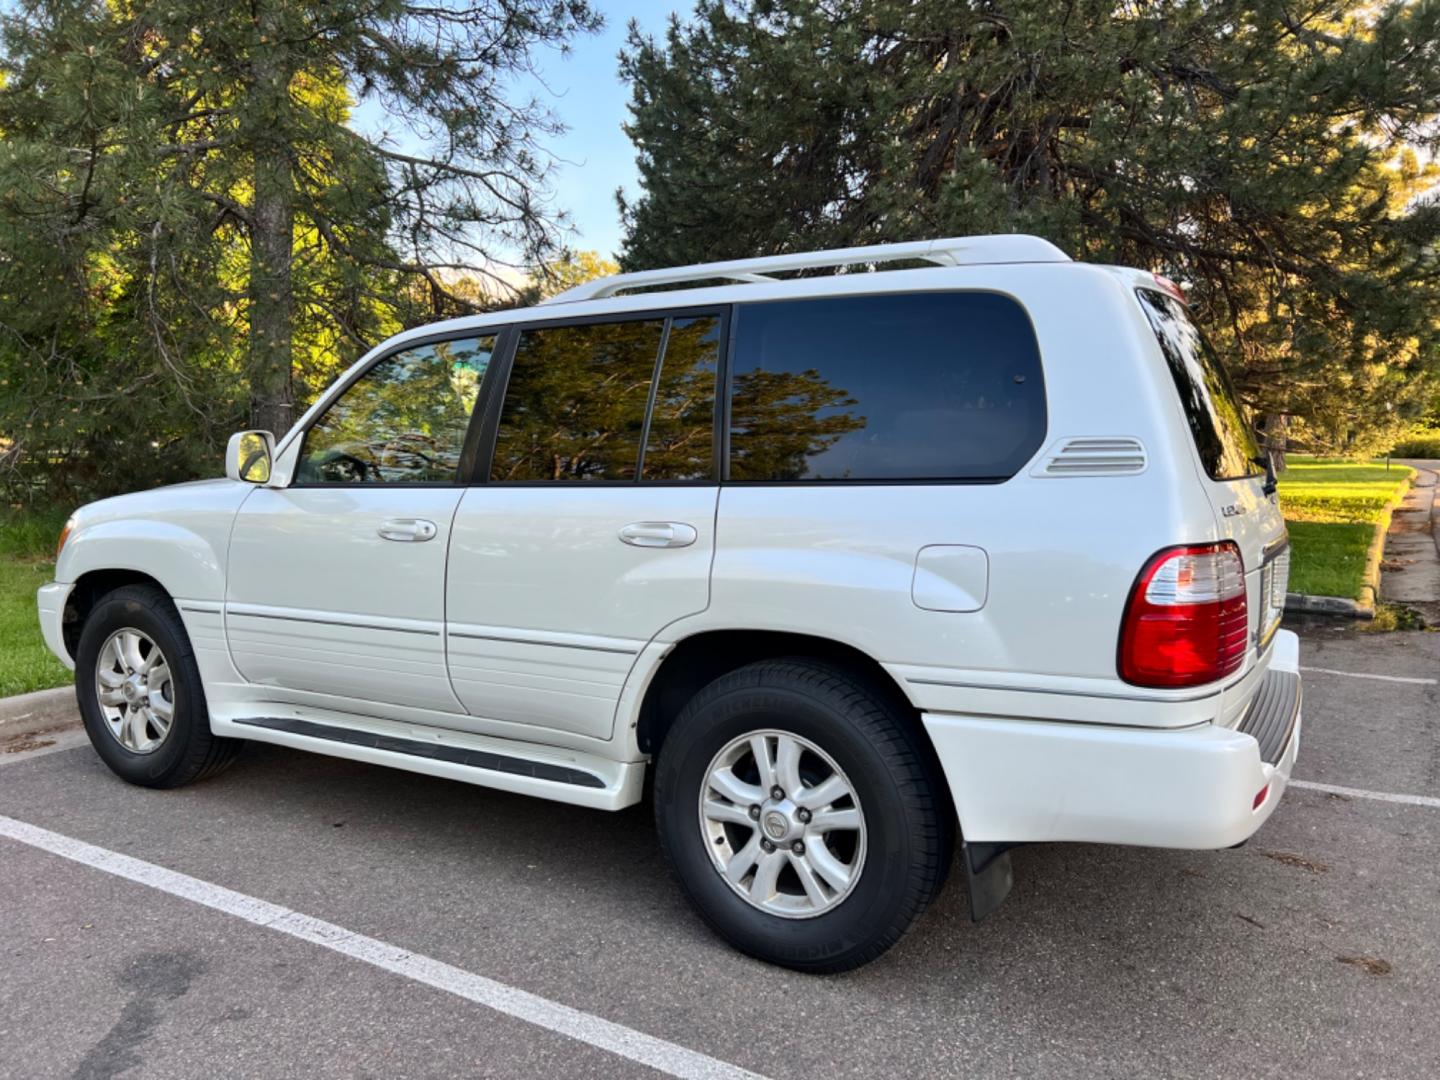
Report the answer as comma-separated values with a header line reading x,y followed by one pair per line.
x,y
1381,678
1361,793
666,1057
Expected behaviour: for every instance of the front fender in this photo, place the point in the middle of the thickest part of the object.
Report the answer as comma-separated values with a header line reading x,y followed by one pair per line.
x,y
179,536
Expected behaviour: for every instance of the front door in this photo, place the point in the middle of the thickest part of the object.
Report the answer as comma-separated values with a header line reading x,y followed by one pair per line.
x,y
596,526
336,584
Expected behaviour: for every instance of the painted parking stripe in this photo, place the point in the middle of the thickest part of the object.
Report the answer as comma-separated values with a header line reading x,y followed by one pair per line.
x,y
1361,793
666,1057
1380,678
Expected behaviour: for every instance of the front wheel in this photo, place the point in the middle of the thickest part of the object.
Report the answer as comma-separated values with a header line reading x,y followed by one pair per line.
x,y
140,693
802,814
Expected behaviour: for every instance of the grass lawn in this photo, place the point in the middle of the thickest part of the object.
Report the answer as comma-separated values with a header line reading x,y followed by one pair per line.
x,y
1333,509
27,545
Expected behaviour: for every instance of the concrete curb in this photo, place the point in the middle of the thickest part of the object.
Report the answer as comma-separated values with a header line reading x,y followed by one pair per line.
x,y
43,710
1329,605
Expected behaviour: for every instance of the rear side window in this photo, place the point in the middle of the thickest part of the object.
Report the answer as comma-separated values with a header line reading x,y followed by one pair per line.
x,y
680,443
1222,434
925,386
575,404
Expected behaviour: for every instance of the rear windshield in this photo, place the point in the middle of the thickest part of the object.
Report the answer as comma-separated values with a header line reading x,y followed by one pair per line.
x,y
1222,434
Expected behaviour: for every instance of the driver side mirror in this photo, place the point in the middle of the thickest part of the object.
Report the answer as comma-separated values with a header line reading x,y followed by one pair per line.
x,y
249,455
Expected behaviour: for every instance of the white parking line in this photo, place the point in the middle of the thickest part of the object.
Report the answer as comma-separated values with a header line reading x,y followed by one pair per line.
x,y
1361,793
1381,678
666,1057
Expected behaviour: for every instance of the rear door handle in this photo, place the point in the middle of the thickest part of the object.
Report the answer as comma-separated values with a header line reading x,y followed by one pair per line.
x,y
409,530
658,534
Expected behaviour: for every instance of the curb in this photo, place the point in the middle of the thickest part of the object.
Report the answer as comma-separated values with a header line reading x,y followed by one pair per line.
x,y
42,710
1331,605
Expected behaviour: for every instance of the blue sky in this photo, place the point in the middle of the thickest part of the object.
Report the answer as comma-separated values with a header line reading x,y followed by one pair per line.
x,y
584,90
589,97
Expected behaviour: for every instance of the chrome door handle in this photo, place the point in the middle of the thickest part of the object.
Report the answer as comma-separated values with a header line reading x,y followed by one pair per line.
x,y
658,534
408,529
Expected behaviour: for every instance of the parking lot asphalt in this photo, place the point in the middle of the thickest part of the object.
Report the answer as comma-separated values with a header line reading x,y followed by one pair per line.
x,y
1314,950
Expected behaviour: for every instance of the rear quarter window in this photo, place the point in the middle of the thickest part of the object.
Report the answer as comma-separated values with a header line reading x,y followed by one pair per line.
x,y
924,386
1222,433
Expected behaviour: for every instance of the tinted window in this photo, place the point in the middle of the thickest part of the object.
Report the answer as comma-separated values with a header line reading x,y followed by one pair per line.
x,y
1222,434
575,404
403,421
681,442
921,386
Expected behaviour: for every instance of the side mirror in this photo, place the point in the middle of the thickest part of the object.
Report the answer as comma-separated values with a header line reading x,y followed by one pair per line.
x,y
249,455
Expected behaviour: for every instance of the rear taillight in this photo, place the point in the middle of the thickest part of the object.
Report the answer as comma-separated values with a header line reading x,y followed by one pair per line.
x,y
1186,623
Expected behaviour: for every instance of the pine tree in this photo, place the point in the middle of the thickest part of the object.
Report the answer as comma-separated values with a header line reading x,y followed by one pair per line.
x,y
1273,157
183,197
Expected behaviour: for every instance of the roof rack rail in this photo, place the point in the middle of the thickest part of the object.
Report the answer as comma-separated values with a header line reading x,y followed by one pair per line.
x,y
955,251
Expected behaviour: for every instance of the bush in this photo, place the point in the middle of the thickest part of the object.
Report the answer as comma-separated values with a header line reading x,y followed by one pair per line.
x,y
1420,444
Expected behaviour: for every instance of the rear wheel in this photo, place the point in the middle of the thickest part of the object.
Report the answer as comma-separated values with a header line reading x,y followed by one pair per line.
x,y
802,814
140,694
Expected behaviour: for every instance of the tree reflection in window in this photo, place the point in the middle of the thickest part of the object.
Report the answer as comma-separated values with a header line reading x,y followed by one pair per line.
x,y
780,420
903,386
1222,433
575,404
682,425
404,421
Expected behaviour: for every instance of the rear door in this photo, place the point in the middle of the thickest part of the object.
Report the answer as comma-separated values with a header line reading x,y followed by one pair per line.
x,y
594,525
1234,473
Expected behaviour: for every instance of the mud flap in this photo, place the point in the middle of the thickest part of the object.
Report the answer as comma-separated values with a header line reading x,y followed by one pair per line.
x,y
989,876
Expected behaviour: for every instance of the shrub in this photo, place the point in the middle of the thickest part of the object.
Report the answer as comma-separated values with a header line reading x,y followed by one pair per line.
x,y
1420,444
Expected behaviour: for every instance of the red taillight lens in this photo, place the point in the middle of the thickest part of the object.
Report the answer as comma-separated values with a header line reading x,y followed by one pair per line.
x,y
1186,624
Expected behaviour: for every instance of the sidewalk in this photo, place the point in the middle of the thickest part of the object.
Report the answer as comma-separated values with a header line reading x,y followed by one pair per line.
x,y
1410,571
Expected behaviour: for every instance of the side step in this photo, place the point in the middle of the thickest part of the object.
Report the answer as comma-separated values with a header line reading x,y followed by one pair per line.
x,y
545,771
458,755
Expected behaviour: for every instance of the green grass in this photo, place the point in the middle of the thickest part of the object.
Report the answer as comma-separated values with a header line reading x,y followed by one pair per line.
x,y
27,544
1333,510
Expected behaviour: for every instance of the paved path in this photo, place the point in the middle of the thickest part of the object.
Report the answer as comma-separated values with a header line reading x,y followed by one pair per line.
x,y
1410,572
1313,951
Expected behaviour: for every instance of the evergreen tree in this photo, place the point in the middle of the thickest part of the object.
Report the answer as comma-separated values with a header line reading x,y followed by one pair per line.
x,y
1272,156
183,200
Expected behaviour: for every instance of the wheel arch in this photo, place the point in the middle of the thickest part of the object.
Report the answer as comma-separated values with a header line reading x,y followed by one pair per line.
x,y
88,590
698,660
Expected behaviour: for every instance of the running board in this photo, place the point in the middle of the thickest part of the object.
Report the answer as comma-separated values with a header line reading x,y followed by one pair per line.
x,y
587,780
476,759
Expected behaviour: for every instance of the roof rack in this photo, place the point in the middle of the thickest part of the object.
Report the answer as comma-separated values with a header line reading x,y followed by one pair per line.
x,y
955,251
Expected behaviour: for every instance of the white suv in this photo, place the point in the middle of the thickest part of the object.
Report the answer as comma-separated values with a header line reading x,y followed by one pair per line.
x,y
855,561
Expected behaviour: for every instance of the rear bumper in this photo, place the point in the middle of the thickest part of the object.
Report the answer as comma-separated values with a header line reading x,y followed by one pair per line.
x,y
50,600
1018,781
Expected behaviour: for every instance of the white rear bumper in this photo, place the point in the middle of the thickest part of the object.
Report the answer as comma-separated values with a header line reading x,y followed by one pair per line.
x,y
50,599
1016,781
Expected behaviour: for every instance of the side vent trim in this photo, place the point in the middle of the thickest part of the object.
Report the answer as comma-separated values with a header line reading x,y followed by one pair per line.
x,y
1118,455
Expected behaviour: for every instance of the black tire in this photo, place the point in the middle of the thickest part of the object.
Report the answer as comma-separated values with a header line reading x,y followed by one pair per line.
x,y
909,826
189,751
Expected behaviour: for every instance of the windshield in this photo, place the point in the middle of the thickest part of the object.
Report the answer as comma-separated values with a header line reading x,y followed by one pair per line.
x,y
1217,422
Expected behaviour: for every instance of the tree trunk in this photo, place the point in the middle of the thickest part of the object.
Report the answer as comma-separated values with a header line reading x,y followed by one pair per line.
x,y
272,398
1276,425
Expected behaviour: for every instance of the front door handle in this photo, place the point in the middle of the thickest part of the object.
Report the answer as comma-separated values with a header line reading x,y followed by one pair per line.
x,y
658,534
409,530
